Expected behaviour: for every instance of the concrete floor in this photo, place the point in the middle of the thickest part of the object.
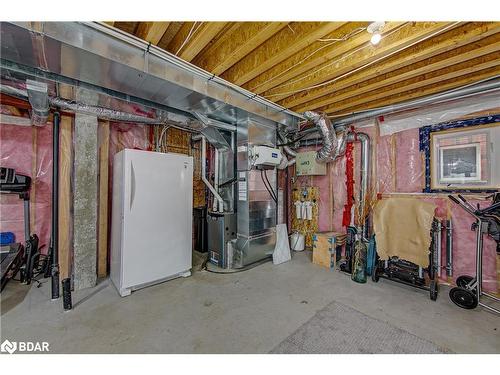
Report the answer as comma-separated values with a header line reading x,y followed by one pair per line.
x,y
247,312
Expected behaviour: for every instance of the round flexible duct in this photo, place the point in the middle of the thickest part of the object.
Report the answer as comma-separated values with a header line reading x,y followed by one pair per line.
x,y
327,153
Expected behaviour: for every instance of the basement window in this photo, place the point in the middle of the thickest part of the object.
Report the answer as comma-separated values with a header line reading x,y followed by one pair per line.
x,y
466,158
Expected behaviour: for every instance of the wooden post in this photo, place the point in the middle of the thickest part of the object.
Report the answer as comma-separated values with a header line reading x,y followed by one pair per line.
x,y
102,245
65,222
34,162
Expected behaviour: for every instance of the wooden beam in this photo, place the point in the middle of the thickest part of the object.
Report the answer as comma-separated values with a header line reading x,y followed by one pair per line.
x,y
152,31
171,32
199,39
467,68
394,42
110,23
102,244
420,92
282,45
34,169
307,58
434,54
440,63
242,40
65,220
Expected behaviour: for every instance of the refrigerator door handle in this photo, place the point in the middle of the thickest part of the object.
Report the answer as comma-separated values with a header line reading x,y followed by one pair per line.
x,y
132,185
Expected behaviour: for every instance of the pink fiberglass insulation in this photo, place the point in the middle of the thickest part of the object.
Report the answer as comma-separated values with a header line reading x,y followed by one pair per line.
x,y
16,151
383,177
409,178
464,248
409,168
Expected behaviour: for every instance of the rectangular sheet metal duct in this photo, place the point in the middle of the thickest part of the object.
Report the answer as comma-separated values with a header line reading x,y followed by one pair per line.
x,y
99,55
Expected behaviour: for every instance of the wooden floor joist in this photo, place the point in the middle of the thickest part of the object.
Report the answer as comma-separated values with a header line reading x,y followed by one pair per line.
x,y
402,38
321,65
449,60
420,92
152,31
243,39
282,45
441,75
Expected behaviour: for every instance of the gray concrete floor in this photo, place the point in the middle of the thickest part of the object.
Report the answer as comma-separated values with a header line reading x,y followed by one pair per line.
x,y
247,312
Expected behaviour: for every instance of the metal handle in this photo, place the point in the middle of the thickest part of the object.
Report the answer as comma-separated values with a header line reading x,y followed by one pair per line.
x,y
132,185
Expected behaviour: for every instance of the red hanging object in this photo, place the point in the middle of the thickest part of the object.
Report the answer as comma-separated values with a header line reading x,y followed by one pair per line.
x,y
349,173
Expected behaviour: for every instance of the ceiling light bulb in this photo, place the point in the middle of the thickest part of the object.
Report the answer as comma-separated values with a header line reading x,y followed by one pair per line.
x,y
376,38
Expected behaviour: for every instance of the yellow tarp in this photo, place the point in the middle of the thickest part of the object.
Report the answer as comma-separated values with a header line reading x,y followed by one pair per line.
x,y
403,228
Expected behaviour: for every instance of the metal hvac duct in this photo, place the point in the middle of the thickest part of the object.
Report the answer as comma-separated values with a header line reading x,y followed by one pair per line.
x,y
39,101
483,87
101,58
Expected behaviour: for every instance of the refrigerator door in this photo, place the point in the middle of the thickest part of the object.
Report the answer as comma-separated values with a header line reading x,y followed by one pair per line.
x,y
157,226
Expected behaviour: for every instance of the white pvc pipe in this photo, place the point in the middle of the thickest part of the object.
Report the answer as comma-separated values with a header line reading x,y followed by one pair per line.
x,y
204,178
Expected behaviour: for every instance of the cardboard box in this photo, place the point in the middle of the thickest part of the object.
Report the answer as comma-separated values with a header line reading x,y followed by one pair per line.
x,y
324,248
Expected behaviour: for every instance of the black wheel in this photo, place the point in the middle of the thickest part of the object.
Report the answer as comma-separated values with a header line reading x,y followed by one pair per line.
x,y
433,286
375,276
463,298
463,280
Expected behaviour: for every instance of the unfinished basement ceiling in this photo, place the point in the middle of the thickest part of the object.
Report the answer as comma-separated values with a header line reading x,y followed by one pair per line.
x,y
332,66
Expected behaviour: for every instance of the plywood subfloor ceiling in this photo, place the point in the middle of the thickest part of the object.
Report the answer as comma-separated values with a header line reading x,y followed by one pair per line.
x,y
332,66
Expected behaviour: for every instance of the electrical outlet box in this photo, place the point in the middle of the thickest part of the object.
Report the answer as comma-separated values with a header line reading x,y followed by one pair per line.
x,y
306,165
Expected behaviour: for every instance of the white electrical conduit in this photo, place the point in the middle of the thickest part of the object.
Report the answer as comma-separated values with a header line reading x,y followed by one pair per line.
x,y
204,178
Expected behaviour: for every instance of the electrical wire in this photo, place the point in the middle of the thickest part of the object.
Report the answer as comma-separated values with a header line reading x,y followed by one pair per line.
x,y
191,33
332,62
357,69
345,38
268,188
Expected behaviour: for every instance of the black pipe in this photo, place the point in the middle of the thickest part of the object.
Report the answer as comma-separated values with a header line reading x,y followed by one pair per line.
x,y
66,286
55,207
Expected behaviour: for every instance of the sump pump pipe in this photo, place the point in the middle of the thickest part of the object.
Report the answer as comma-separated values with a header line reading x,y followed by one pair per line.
x,y
204,178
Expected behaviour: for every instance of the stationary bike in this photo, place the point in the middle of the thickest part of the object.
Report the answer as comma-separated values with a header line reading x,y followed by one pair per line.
x,y
468,292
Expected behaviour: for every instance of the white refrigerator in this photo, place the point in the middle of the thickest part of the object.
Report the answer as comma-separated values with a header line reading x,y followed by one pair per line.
x,y
151,227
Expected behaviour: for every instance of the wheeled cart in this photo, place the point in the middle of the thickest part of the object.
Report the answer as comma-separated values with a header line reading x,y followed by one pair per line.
x,y
408,273
468,292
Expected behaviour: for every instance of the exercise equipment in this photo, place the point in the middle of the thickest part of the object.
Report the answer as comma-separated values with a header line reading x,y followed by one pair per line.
x,y
468,292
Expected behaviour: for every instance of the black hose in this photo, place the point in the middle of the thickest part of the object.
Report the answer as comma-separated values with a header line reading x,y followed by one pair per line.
x,y
268,188
55,207
238,270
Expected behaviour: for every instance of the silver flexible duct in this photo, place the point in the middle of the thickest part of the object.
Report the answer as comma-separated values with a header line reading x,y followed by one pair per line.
x,y
326,153
101,112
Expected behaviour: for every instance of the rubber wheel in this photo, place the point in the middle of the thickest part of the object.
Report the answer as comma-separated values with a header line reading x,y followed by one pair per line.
x,y
463,298
433,286
375,276
463,280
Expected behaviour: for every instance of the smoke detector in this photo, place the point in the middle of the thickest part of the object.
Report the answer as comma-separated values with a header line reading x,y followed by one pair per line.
x,y
375,28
